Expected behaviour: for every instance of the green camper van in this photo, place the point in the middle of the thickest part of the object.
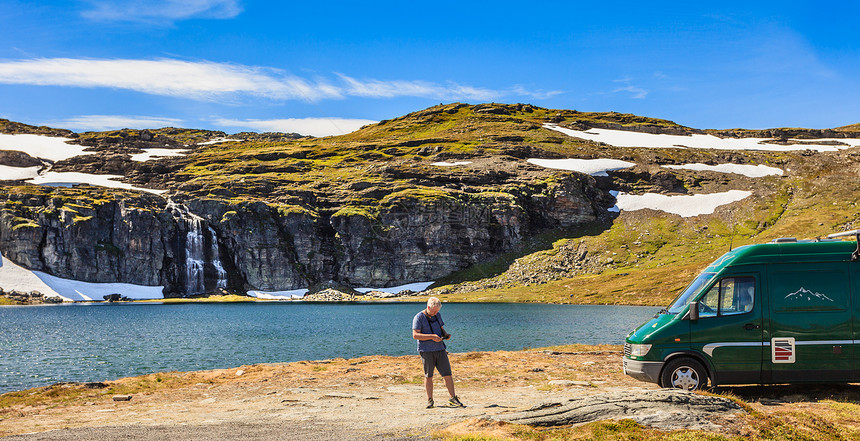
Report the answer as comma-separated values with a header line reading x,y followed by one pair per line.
x,y
787,311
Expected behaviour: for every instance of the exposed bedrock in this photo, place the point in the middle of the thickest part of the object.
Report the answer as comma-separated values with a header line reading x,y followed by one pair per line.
x,y
208,244
665,409
120,240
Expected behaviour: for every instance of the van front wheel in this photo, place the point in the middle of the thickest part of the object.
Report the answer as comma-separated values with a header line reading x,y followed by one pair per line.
x,y
684,373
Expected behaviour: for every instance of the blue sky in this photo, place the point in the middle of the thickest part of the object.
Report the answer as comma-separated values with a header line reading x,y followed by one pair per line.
x,y
324,67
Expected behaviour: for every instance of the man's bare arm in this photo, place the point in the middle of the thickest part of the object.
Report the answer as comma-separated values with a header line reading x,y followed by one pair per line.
x,y
419,336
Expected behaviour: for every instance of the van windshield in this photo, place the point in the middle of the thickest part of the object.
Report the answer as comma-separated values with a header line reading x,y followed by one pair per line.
x,y
690,292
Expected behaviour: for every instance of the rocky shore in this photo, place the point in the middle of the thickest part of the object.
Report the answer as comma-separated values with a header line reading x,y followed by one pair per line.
x,y
28,298
509,395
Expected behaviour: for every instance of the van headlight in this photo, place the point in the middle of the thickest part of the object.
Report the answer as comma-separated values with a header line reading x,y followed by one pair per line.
x,y
637,350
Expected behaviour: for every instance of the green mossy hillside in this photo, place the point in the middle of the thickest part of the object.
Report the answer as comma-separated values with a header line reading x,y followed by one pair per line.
x,y
641,257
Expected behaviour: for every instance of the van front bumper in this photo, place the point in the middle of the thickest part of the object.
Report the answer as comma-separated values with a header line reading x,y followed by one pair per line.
x,y
643,370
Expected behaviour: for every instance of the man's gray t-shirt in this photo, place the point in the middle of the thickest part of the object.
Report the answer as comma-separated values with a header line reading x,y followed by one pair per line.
x,y
431,325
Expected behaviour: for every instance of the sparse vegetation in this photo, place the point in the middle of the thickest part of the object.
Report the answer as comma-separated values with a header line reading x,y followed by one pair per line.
x,y
641,258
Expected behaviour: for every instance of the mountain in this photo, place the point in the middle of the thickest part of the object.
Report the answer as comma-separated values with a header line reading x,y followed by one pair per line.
x,y
386,205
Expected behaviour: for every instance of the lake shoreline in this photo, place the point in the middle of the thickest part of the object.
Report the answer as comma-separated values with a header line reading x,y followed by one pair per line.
x,y
383,396
376,394
357,300
88,342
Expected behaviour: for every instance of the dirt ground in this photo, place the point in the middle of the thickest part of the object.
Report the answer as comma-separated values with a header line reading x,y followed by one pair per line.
x,y
361,398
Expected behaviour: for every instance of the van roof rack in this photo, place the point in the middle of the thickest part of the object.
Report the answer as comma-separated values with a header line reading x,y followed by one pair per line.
x,y
856,233
784,240
844,233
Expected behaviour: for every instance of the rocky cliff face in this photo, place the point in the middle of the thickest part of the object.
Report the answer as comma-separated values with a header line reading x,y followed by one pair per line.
x,y
209,244
121,239
280,212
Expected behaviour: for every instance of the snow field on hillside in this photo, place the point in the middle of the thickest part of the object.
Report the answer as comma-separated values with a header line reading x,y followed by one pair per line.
x,y
278,295
417,287
752,171
299,293
68,179
624,138
682,205
156,153
218,141
17,278
8,173
38,146
594,167
451,164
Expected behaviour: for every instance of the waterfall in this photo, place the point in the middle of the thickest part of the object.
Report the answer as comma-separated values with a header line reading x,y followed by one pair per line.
x,y
202,263
203,271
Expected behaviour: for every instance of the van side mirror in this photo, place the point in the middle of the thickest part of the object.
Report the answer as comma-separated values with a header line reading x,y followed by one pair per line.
x,y
694,311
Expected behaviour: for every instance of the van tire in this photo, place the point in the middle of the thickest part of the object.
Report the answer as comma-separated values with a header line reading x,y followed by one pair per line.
x,y
684,373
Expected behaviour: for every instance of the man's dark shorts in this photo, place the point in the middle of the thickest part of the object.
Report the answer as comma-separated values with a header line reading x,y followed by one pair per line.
x,y
438,360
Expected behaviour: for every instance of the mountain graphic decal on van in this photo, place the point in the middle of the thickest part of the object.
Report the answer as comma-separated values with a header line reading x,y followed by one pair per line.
x,y
804,294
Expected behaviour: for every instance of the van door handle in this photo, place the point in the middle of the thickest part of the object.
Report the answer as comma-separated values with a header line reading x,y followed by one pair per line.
x,y
750,326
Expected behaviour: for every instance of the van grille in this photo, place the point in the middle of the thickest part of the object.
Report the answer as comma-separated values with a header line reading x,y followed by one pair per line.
x,y
626,349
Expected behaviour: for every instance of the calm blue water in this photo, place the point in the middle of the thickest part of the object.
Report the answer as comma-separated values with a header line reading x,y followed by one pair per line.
x,y
41,345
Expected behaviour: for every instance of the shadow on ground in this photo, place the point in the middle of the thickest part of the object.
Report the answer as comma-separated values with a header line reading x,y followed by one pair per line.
x,y
796,393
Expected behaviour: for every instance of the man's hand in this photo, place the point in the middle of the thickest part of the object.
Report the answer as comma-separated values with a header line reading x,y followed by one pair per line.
x,y
419,336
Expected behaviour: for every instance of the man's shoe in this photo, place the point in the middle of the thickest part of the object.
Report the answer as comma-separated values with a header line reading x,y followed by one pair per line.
x,y
429,403
455,401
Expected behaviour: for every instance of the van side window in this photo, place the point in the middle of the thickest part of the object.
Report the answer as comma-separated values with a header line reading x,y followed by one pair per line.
x,y
729,296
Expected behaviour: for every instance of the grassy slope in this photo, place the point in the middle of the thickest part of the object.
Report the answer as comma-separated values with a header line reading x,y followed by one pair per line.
x,y
653,254
656,254
259,169
671,250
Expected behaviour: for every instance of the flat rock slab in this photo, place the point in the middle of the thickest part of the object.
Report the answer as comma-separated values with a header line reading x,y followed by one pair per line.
x,y
665,409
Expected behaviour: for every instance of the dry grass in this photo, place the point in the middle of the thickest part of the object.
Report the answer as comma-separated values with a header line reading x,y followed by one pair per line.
x,y
826,413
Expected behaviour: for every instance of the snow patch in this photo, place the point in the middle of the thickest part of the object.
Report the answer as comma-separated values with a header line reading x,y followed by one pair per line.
x,y
450,164
752,171
682,205
68,179
278,295
417,287
218,141
157,153
8,173
47,147
623,138
594,167
15,277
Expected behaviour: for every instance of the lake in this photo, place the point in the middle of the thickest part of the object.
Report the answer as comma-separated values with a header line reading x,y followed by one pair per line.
x,y
41,345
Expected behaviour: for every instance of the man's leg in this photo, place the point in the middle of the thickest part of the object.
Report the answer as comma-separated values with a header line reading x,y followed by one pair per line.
x,y
449,383
428,386
429,364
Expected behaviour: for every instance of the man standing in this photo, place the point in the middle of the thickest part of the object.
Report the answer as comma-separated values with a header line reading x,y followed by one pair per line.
x,y
427,328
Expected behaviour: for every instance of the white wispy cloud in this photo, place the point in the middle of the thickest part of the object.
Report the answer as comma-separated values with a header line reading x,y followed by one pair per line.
x,y
537,94
160,11
392,89
304,126
210,81
636,92
200,80
113,122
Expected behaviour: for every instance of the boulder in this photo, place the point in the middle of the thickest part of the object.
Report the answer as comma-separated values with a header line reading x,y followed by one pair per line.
x,y
14,158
